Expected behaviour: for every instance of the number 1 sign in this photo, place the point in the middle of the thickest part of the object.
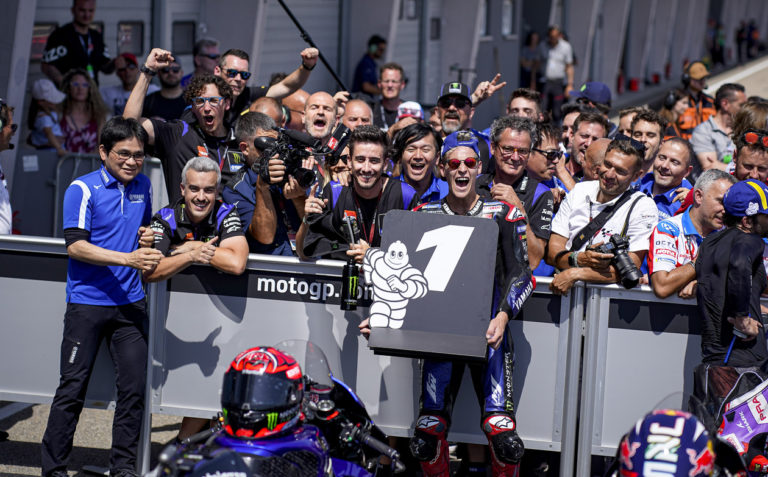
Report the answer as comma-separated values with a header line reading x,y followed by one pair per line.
x,y
432,284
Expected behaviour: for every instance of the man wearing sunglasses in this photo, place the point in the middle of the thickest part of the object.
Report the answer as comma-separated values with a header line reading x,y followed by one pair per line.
x,y
127,70
441,379
234,68
270,214
455,111
7,130
513,139
168,103
205,55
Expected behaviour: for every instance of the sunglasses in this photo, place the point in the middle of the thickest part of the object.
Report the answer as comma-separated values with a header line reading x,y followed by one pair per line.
x,y
550,155
214,101
637,145
169,69
232,73
470,162
213,56
459,101
753,137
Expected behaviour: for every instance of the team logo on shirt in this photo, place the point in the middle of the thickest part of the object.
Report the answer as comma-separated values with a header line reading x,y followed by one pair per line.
x,y
136,197
202,151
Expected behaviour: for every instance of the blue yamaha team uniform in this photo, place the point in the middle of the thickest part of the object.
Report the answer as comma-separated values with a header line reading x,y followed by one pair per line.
x,y
492,381
102,302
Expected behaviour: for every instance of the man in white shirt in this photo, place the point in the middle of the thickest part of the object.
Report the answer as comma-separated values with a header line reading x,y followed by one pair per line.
x,y
571,245
558,71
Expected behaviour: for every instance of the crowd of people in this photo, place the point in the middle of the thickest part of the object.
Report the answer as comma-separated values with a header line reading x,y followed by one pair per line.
x,y
576,197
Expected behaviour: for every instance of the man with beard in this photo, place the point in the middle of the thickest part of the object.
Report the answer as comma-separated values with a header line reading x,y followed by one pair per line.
x,y
417,149
588,127
675,242
371,195
168,103
455,110
177,141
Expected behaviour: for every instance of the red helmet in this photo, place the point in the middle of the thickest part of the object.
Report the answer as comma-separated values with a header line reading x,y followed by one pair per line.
x,y
262,393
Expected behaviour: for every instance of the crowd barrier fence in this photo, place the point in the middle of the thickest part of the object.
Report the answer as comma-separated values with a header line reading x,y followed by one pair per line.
x,y
636,349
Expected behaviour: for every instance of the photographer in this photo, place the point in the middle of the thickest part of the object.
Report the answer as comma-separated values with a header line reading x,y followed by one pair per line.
x,y
268,213
371,195
594,212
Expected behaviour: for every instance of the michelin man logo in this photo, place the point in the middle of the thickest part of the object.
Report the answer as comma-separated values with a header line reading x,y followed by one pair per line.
x,y
395,282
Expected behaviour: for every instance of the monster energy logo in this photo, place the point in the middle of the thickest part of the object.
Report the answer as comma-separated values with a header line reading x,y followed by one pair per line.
x,y
353,287
272,420
455,86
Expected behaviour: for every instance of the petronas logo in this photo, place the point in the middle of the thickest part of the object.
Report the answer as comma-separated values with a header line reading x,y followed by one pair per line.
x,y
272,420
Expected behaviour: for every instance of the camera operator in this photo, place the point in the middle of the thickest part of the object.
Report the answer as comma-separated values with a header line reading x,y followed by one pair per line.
x,y
599,212
371,195
267,212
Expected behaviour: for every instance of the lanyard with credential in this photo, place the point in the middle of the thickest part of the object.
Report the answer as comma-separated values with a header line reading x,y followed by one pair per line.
x,y
218,154
87,47
367,238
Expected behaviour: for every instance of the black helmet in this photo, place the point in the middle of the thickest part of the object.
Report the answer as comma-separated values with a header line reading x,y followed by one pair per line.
x,y
262,393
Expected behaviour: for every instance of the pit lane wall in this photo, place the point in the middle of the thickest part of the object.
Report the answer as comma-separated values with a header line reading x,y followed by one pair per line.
x,y
636,349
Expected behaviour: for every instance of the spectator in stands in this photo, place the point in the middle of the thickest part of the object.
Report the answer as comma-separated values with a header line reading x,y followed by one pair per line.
x,y
270,213
105,298
587,128
667,182
416,149
674,106
700,105
675,241
271,107
530,61
391,83
594,158
371,195
580,223
626,116
7,130
512,138
127,70
205,55
44,121
557,56
648,128
76,46
178,141
357,113
168,103
711,139
366,77
234,66
83,113
526,103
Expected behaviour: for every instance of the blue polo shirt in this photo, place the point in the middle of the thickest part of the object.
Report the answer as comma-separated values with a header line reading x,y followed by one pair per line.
x,y
112,214
437,189
664,202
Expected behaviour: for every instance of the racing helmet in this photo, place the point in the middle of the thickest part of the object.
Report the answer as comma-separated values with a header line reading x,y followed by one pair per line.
x,y
262,394
667,442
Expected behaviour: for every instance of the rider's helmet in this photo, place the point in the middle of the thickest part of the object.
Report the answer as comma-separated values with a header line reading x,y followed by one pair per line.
x,y
667,442
262,393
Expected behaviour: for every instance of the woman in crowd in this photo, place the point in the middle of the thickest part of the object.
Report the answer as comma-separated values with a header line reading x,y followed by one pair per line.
x,y
84,112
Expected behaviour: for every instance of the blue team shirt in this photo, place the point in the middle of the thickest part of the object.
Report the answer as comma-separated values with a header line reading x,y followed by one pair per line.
x,y
664,202
112,213
437,189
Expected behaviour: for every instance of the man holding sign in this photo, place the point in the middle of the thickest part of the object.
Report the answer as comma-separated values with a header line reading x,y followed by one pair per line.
x,y
512,285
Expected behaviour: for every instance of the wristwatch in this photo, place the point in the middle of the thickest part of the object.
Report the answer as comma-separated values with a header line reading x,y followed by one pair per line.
x,y
147,71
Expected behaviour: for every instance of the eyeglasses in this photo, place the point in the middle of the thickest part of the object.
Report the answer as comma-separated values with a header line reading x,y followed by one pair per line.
x,y
169,69
124,155
212,56
459,101
232,73
470,162
200,101
508,151
754,137
550,155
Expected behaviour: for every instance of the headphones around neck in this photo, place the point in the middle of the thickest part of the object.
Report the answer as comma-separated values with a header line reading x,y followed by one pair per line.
x,y
670,100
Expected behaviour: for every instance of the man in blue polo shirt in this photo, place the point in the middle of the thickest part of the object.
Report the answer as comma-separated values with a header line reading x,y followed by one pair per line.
x,y
417,149
105,217
667,179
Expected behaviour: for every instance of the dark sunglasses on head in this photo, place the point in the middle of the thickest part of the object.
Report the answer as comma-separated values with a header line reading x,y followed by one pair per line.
x,y
459,101
232,73
169,69
550,155
470,162
639,146
753,137
333,159
213,56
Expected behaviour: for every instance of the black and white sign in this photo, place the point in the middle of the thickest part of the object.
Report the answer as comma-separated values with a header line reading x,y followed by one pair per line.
x,y
432,285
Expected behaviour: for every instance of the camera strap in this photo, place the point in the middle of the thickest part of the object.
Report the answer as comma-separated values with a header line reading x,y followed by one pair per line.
x,y
626,222
597,223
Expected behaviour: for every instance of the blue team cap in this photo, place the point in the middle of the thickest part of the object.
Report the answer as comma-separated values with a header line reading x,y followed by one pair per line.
x,y
746,198
463,138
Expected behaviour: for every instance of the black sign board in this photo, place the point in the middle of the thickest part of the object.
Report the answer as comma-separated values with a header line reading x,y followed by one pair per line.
x,y
432,285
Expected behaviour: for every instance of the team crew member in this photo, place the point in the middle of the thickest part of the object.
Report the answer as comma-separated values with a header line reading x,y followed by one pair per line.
x,y
417,149
105,214
493,380
731,277
700,105
178,141
675,241
667,180
371,195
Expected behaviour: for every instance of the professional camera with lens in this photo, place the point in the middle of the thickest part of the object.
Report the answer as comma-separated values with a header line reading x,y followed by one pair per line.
x,y
292,147
618,246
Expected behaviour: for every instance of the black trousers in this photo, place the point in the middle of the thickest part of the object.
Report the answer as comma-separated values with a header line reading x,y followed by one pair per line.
x,y
553,97
125,330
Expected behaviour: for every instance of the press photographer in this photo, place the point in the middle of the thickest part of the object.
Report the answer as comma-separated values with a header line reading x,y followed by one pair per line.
x,y
603,227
